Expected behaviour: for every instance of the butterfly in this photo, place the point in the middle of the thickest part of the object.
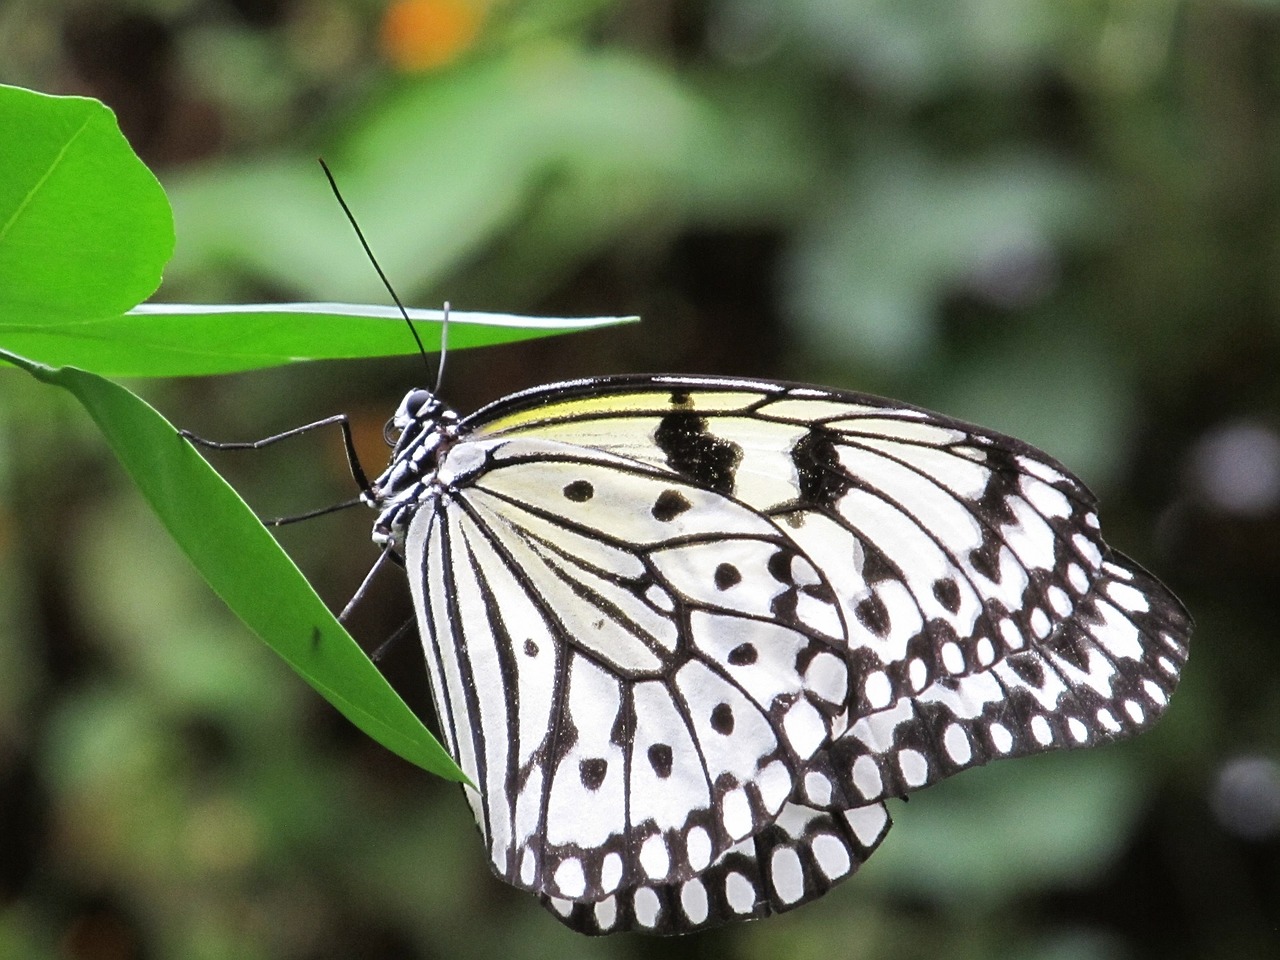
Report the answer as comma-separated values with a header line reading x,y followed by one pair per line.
x,y
686,635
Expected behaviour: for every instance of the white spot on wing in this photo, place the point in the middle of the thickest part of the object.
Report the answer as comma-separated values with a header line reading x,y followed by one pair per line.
x,y
805,728
868,823
817,788
1041,731
740,893
1039,623
1011,635
969,697
1059,600
735,813
647,907
1046,499
570,879
986,651
1030,537
1087,549
919,674
956,742
655,859
775,785
1117,633
827,677
914,766
787,874
1076,575
866,776
1154,693
660,598
611,872
879,730
832,857
878,690
1041,470
606,912
693,901
698,847
1128,598
1001,738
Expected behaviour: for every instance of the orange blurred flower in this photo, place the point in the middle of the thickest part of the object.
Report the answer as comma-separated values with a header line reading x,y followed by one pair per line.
x,y
423,34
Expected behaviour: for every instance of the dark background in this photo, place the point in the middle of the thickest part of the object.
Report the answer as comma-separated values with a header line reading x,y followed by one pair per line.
x,y
1058,219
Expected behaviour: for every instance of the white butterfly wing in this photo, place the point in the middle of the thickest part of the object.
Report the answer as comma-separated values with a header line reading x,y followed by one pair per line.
x,y
917,596
632,671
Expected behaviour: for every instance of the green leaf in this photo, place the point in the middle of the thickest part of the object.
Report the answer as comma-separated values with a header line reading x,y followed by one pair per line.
x,y
85,230
244,565
172,340
84,227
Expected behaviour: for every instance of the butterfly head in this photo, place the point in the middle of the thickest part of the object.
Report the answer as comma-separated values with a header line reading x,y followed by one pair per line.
x,y
419,433
420,415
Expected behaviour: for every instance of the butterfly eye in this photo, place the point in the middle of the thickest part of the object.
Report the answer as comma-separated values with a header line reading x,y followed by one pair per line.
x,y
391,432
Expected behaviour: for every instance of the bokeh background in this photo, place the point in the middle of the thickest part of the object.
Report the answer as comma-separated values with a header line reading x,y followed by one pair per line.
x,y
1058,218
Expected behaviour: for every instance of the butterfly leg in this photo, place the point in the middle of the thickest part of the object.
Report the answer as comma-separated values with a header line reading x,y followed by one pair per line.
x,y
343,423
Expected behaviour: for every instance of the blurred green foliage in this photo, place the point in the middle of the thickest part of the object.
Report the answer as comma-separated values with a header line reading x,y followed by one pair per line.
x,y
1056,218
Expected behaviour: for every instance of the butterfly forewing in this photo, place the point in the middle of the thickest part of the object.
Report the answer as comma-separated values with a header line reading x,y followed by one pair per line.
x,y
685,634
962,560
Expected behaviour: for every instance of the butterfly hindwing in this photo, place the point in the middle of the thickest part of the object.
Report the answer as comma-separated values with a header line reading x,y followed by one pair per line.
x,y
798,857
634,671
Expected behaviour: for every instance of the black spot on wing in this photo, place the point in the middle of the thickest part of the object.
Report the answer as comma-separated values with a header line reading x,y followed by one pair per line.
x,y
579,491
660,758
1070,643
873,615
876,567
669,505
986,558
694,452
779,567
593,772
726,576
1028,668
822,481
722,719
820,591
947,593
1005,477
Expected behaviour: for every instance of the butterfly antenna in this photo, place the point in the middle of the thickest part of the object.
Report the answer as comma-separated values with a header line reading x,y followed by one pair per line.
x,y
444,352
333,185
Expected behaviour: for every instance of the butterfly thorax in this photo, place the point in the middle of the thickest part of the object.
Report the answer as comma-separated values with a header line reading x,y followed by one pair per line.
x,y
420,434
